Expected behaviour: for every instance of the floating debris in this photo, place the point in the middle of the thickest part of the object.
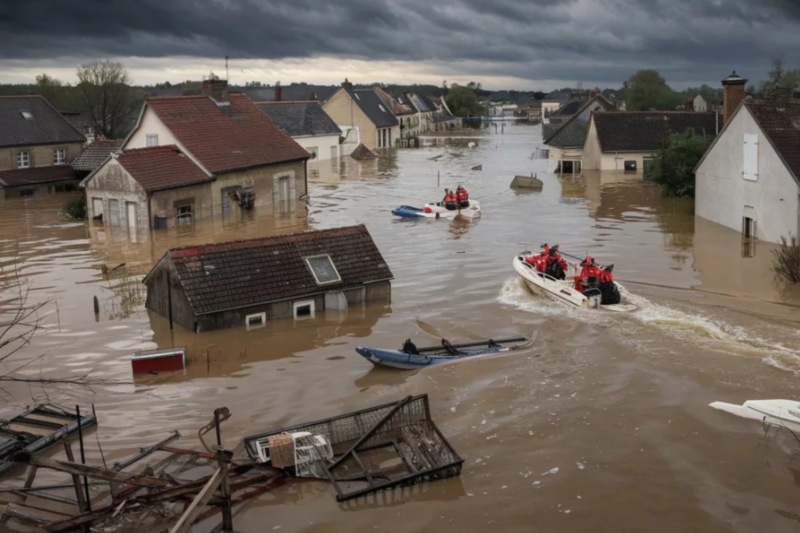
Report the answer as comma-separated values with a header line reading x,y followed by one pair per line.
x,y
527,182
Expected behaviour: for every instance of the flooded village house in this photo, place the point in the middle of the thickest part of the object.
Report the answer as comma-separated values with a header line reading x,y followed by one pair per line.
x,y
246,283
565,141
37,145
308,124
626,141
749,180
363,118
191,157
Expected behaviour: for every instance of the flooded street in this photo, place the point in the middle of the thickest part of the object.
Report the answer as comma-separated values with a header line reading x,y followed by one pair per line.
x,y
601,425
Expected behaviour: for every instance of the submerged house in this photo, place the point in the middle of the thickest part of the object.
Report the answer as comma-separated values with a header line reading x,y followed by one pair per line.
x,y
37,145
194,157
363,118
246,283
749,179
308,124
628,140
565,143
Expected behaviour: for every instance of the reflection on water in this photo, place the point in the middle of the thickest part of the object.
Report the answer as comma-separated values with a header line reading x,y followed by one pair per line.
x,y
607,400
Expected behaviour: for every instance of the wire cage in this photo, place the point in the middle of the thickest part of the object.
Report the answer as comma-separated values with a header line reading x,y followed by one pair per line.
x,y
390,445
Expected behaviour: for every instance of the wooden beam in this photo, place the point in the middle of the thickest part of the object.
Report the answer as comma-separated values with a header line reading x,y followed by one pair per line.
x,y
82,507
97,473
196,507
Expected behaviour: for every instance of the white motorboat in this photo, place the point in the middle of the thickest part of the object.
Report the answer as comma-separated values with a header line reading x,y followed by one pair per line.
x,y
436,210
780,413
563,290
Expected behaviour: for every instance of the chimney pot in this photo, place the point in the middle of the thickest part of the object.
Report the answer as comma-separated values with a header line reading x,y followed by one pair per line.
x,y
732,95
346,85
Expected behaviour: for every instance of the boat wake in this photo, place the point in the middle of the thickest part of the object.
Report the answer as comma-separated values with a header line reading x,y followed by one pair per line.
x,y
683,325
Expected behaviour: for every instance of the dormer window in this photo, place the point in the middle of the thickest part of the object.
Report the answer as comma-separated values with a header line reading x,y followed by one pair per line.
x,y
27,115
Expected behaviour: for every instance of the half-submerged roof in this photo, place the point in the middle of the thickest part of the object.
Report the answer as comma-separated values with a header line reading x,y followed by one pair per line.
x,y
572,134
240,274
370,103
226,137
780,122
95,154
300,118
646,131
19,177
31,120
161,167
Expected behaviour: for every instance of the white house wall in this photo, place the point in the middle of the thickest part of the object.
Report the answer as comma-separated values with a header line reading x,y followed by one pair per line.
x,y
150,125
326,145
723,196
112,182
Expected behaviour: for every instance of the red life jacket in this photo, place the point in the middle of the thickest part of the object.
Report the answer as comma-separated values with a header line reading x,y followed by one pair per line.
x,y
606,276
450,198
462,195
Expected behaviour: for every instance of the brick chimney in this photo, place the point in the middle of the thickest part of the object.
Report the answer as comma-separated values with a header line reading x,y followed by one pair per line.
x,y
689,103
216,89
732,95
278,93
347,86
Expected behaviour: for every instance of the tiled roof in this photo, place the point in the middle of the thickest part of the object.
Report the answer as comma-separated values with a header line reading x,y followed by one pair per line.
x,y
161,167
34,176
300,118
646,131
228,137
44,124
780,122
572,134
240,274
373,107
362,153
396,103
95,154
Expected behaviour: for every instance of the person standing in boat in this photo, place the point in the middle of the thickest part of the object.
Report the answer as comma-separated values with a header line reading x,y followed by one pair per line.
x,y
462,196
589,276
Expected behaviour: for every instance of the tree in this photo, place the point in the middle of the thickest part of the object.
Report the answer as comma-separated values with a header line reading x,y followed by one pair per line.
x,y
779,77
647,90
673,166
787,260
108,98
60,95
463,102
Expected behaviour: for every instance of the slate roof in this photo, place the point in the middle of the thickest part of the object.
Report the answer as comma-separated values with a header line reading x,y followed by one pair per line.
x,y
780,122
240,274
397,104
420,103
228,137
161,167
572,133
34,176
95,154
569,109
290,93
646,131
46,125
370,104
300,118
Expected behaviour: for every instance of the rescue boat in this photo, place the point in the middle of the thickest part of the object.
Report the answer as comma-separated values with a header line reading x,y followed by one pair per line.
x,y
563,290
436,210
780,413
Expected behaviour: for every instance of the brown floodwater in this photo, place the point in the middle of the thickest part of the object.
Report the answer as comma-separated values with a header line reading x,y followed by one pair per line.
x,y
602,424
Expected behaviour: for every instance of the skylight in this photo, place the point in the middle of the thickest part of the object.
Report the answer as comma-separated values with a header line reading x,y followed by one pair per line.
x,y
356,95
27,115
323,269
382,109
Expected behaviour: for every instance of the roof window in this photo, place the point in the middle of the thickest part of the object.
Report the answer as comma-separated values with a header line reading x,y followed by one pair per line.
x,y
356,95
323,269
382,109
27,115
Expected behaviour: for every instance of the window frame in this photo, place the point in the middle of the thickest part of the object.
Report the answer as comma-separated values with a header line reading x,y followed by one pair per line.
x,y
261,316
27,158
151,137
95,215
625,165
304,303
182,215
63,159
307,259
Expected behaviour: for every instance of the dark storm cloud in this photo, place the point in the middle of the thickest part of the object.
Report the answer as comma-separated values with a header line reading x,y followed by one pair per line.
x,y
596,40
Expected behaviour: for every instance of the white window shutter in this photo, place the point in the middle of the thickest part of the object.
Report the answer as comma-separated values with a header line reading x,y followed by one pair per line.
x,y
750,151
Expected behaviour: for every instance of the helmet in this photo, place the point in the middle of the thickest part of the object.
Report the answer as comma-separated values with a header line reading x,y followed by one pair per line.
x,y
588,261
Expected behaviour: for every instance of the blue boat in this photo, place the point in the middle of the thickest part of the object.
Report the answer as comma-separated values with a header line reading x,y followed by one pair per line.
x,y
410,357
408,211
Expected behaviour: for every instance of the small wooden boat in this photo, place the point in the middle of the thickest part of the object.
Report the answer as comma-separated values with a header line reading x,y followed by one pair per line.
x,y
410,357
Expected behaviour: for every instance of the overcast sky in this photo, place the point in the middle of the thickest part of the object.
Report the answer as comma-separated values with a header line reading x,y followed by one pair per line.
x,y
519,44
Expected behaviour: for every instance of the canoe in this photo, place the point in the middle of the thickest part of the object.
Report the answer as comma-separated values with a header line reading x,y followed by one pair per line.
x,y
410,359
562,290
434,210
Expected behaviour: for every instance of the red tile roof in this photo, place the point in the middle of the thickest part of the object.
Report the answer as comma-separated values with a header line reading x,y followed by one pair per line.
x,y
229,137
161,167
34,176
240,274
